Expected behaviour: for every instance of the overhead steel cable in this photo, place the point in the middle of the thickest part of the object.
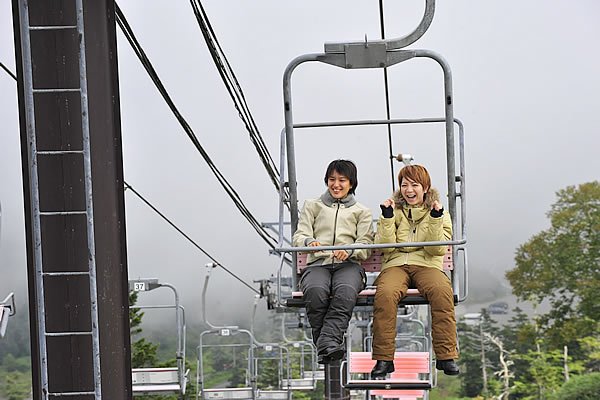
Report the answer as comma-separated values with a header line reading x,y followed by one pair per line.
x,y
235,90
8,71
139,51
129,187
387,98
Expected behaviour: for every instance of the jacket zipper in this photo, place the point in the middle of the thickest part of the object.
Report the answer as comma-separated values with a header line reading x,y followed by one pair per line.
x,y
335,229
412,231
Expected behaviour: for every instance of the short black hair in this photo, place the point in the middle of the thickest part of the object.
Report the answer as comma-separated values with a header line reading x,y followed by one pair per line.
x,y
346,168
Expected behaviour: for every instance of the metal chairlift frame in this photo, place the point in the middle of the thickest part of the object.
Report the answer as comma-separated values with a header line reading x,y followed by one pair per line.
x,y
230,330
422,341
225,393
283,392
286,389
302,344
160,374
344,371
376,54
425,338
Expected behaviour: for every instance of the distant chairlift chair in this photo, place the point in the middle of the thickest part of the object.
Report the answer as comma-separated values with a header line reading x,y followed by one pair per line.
x,y
249,392
306,351
158,381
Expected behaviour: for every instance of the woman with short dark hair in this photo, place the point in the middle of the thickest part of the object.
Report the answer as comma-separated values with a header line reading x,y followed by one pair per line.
x,y
332,279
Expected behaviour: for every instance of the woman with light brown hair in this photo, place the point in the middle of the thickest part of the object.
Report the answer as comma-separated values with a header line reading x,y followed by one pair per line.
x,y
413,214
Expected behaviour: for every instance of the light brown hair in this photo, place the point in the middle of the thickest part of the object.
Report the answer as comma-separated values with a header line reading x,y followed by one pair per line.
x,y
417,173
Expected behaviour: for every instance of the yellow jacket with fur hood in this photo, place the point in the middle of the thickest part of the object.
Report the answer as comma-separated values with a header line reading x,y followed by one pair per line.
x,y
414,224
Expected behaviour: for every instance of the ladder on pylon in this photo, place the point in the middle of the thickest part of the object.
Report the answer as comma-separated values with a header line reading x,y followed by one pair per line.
x,y
39,215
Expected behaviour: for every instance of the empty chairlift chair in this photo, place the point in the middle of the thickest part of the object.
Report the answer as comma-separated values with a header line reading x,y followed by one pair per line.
x,y
271,352
235,343
166,380
303,350
230,339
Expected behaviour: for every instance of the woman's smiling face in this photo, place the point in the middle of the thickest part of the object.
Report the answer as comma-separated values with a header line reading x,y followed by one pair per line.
x,y
338,185
413,192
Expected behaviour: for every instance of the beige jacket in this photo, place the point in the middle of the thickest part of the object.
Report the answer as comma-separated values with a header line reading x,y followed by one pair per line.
x,y
334,222
414,224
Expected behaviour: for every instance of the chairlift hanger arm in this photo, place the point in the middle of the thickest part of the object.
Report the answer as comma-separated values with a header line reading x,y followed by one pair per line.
x,y
392,44
9,303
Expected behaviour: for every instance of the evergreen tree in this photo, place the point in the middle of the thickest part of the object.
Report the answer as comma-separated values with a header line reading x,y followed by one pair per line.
x,y
143,352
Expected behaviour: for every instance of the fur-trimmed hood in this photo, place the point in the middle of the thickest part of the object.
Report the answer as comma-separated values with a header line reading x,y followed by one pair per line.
x,y
414,224
431,196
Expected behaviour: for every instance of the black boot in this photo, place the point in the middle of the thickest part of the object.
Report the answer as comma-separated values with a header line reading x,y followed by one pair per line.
x,y
323,360
381,369
332,353
448,366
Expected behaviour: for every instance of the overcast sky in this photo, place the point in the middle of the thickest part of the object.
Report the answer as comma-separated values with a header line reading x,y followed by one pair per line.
x,y
526,84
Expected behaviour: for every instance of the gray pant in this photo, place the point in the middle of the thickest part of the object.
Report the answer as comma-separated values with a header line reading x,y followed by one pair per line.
x,y
330,292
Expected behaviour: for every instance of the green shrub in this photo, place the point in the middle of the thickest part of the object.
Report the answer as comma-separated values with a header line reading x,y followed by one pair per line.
x,y
580,387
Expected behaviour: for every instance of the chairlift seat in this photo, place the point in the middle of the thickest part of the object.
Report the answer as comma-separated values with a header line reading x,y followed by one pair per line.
x,y
156,380
409,366
318,374
272,394
398,394
298,383
366,297
245,393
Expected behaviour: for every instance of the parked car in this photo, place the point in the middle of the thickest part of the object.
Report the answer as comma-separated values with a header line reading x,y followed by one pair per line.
x,y
500,307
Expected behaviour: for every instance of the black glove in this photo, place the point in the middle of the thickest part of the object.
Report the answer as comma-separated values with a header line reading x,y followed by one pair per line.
x,y
387,212
436,213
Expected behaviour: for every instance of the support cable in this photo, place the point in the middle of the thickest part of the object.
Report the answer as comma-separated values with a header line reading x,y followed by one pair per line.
x,y
235,90
128,32
4,67
387,98
128,186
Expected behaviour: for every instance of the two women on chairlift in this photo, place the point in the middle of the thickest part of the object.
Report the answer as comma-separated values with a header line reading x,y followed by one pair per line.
x,y
333,279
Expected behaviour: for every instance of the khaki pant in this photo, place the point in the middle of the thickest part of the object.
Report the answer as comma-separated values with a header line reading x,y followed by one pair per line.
x,y
392,284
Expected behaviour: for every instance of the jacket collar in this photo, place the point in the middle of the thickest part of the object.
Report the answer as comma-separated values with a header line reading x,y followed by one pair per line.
x,y
328,199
